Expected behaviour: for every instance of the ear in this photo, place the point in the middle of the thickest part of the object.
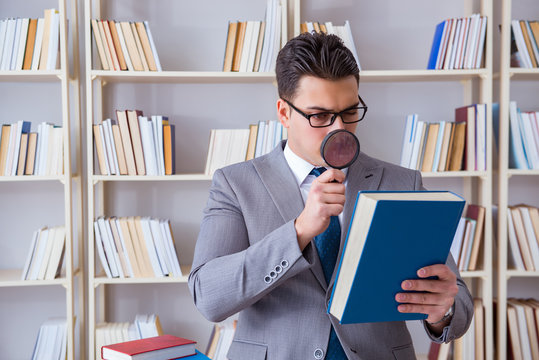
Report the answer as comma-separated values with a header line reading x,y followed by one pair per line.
x,y
283,112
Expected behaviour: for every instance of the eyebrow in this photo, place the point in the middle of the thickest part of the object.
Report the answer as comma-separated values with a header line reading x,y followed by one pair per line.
x,y
329,110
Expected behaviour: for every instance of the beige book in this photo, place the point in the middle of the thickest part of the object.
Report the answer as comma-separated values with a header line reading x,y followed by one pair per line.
x,y
110,44
103,36
534,215
136,139
130,246
100,46
303,28
117,45
251,145
140,251
46,39
529,310
323,28
229,48
30,42
477,213
238,45
522,238
527,41
118,242
144,249
57,253
430,147
31,154
444,150
100,150
259,45
120,154
123,123
4,147
316,26
513,335
457,147
479,329
146,47
22,154
139,47
131,46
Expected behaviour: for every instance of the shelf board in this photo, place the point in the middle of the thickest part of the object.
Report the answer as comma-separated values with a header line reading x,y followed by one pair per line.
x,y
153,280
511,172
524,74
197,77
12,277
31,76
521,273
454,174
420,75
474,274
178,177
32,178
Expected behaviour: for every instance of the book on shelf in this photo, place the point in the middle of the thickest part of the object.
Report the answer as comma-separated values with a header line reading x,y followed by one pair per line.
x,y
472,344
458,43
230,146
220,339
523,234
162,347
525,43
45,257
51,341
523,138
423,227
468,239
522,323
125,45
136,247
135,144
342,31
252,46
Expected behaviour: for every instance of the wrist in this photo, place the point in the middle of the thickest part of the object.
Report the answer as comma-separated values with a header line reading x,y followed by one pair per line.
x,y
447,316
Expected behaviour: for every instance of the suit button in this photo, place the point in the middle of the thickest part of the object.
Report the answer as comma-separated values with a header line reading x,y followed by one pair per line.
x,y
278,269
267,279
318,354
284,263
273,274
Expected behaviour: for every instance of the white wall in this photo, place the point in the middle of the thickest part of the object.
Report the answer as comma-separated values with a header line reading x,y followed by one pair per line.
x,y
188,36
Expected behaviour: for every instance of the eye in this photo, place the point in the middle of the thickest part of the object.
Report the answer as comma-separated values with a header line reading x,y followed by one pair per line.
x,y
321,117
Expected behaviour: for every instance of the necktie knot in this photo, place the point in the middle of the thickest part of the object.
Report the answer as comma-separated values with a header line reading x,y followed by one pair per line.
x,y
317,171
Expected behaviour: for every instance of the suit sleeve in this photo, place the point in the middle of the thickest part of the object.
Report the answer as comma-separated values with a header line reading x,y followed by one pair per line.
x,y
463,310
229,273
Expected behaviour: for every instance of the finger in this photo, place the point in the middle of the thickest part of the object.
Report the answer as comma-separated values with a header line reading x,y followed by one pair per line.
x,y
434,312
434,286
443,272
423,298
332,175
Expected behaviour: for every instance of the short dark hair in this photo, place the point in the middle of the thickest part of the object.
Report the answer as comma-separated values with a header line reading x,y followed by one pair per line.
x,y
315,54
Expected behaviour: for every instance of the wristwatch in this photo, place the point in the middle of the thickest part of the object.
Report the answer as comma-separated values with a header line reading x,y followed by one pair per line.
x,y
446,316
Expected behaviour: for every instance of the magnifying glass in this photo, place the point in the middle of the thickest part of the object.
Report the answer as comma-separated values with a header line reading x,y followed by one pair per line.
x,y
340,148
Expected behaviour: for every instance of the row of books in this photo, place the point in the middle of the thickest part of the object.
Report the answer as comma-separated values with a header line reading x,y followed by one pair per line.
x,y
344,32
446,146
469,346
51,341
252,46
45,257
524,138
144,326
30,44
23,152
136,246
523,229
458,43
525,50
221,339
469,238
230,146
522,328
125,45
135,144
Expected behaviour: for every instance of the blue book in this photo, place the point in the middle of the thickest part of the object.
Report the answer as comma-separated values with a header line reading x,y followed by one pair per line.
x,y
392,235
436,43
197,356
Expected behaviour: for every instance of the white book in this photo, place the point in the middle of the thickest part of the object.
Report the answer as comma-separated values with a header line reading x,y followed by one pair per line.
x,y
416,149
310,26
267,36
277,36
244,59
529,141
3,30
130,271
530,234
112,244
44,148
158,121
22,43
57,252
349,41
479,55
260,138
46,254
54,39
462,42
455,47
11,148
521,44
270,133
107,248
152,45
517,157
481,136
150,246
534,119
278,134
171,248
60,153
37,45
123,45
329,27
407,140
456,245
162,255
514,256
523,331
108,164
8,44
38,345
450,41
30,256
148,146
15,49
253,46
284,24
56,151
220,149
110,147
209,158
467,251
474,28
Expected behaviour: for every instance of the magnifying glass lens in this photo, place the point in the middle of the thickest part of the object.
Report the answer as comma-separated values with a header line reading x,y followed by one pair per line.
x,y
340,149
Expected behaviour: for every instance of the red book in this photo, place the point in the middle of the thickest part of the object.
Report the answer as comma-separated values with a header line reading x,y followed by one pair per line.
x,y
162,347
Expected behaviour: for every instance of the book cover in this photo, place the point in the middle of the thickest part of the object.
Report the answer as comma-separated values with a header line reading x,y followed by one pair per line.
x,y
409,230
161,347
436,42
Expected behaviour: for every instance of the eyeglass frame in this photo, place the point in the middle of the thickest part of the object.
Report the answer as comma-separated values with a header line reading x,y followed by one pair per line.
x,y
335,114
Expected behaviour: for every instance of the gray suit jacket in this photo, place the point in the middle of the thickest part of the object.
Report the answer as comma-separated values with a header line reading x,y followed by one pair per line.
x,y
247,260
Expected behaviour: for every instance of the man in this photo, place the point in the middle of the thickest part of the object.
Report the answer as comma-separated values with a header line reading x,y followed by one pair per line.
x,y
258,252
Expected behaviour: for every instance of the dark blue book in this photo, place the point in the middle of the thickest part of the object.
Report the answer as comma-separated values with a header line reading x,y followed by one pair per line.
x,y
436,43
197,356
392,235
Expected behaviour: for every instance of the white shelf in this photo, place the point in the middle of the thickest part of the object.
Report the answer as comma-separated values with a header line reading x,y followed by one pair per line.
x,y
32,178
420,75
31,76
196,77
178,177
511,172
474,274
524,74
451,174
521,273
12,277
186,269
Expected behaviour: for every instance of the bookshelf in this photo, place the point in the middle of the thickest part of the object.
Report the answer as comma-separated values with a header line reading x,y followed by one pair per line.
x,y
514,84
32,201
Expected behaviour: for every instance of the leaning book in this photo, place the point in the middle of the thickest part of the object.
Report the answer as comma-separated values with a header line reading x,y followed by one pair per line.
x,y
392,235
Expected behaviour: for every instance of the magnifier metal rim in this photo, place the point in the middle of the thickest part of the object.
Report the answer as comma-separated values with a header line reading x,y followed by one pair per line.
x,y
329,136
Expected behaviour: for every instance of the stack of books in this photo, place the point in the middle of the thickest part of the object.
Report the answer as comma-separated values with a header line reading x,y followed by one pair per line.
x,y
125,45
523,231
447,146
45,257
230,146
522,325
221,339
23,152
468,239
344,32
136,247
525,44
252,46
458,43
135,144
523,138
30,44
51,342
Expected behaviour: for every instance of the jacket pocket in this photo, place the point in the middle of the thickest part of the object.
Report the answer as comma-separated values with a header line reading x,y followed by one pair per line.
x,y
404,352
246,350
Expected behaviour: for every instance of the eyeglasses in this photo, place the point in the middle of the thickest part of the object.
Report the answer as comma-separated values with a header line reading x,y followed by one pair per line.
x,y
327,118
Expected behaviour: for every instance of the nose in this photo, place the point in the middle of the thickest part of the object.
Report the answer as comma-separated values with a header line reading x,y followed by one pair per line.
x,y
338,123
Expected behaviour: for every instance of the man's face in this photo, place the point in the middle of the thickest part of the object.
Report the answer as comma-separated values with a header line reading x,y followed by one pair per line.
x,y
316,95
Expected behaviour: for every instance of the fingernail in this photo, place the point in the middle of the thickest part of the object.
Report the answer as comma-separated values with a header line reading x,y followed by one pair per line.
x,y
401,297
406,285
402,308
422,272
